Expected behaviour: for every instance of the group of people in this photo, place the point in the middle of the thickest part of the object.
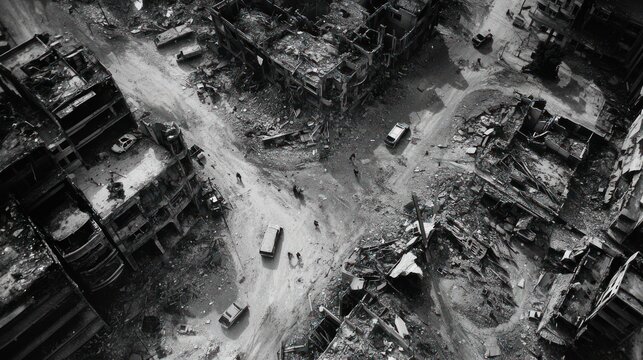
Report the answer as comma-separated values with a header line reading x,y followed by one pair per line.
x,y
290,257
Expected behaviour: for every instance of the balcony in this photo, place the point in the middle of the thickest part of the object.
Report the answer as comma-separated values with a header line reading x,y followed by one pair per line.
x,y
95,240
132,226
104,273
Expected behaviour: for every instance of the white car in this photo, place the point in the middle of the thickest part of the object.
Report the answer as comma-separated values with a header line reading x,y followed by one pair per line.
x,y
395,135
124,143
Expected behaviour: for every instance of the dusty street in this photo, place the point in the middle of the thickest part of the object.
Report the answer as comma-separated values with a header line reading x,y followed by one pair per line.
x,y
347,208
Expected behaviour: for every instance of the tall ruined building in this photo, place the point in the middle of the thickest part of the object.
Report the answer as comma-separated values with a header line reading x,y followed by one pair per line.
x,y
329,53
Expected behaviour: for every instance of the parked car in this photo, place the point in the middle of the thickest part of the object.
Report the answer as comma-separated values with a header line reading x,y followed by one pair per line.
x,y
124,143
519,22
270,240
395,135
189,53
232,314
172,35
535,315
197,154
480,40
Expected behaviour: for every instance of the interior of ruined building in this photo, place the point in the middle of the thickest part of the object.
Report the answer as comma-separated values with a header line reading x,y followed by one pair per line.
x,y
331,179
337,50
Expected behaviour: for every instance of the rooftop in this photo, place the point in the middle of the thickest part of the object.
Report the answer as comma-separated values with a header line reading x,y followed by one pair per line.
x,y
23,255
46,69
66,219
257,25
22,130
144,161
305,53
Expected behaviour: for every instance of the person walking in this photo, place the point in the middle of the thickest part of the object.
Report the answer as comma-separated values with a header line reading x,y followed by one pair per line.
x,y
239,178
316,224
356,172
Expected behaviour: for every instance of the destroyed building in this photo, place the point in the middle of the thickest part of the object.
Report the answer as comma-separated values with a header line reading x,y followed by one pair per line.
x,y
157,204
609,30
95,189
571,294
618,313
532,158
43,314
626,186
370,329
30,173
72,88
119,199
595,304
329,54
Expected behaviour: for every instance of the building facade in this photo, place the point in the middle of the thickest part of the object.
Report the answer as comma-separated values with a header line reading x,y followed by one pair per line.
x,y
331,57
618,312
43,313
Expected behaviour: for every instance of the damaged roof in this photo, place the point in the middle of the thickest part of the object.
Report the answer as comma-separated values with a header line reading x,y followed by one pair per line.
x,y
55,73
536,158
65,220
22,130
24,257
307,54
135,169
345,15
297,51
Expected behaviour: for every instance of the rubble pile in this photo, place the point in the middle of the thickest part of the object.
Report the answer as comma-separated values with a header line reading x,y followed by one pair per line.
x,y
383,327
188,286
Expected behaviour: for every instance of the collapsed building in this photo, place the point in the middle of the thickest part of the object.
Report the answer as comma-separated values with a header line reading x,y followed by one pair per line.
x,y
626,186
532,158
329,53
571,294
43,314
618,312
595,304
100,188
373,326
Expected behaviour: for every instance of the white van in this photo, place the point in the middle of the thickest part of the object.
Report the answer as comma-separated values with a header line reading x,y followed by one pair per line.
x,y
270,239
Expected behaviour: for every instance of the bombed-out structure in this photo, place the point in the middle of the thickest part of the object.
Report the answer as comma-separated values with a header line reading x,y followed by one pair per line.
x,y
626,189
43,314
330,52
94,188
618,312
